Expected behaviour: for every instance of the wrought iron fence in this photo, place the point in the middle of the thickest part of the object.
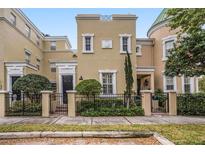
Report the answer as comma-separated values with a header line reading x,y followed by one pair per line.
x,y
160,103
95,102
57,105
23,104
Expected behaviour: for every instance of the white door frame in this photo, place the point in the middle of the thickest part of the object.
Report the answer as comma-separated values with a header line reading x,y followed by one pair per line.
x,y
65,69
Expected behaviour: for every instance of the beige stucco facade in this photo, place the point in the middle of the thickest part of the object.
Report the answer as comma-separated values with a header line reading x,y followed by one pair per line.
x,y
105,56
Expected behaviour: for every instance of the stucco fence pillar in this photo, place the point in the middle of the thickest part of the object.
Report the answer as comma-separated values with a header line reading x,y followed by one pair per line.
x,y
45,103
146,101
2,102
71,103
172,103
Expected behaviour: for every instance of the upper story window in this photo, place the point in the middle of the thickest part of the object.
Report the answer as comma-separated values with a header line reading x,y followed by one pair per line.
x,y
88,43
13,18
38,62
168,45
27,30
138,50
27,56
53,45
169,83
38,40
125,43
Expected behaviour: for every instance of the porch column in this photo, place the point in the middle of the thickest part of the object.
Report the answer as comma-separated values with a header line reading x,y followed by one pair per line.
x,y
172,103
146,102
2,103
45,103
152,81
71,103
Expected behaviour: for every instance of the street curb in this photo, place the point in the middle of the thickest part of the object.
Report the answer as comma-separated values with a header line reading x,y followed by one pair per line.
x,y
83,134
162,139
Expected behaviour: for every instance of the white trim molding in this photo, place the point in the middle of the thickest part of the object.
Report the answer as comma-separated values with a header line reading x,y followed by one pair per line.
x,y
13,70
114,78
192,84
140,50
91,43
65,69
145,69
129,42
165,85
164,40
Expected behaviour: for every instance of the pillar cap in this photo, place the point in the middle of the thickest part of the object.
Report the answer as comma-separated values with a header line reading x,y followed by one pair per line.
x,y
46,91
3,91
146,91
71,91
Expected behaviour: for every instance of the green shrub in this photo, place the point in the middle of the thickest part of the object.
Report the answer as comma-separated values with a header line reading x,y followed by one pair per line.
x,y
191,104
28,107
32,83
120,111
89,87
99,103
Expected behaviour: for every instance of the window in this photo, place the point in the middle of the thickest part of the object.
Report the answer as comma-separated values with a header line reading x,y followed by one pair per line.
x,y
38,40
187,85
125,43
38,61
169,83
53,69
27,56
107,83
53,45
138,50
87,43
13,19
168,46
27,30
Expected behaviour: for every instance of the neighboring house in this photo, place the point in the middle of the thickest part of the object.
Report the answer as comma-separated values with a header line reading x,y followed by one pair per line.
x,y
102,45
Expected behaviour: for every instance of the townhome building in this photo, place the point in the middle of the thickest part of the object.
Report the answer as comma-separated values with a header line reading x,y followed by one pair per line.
x,y
102,42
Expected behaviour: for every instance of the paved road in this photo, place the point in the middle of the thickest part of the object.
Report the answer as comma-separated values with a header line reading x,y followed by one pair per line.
x,y
157,119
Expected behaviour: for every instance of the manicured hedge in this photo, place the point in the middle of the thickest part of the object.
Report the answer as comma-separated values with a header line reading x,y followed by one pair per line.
x,y
107,107
191,104
119,111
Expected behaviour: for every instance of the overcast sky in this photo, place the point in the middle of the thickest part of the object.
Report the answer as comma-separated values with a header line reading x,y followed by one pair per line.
x,y
62,21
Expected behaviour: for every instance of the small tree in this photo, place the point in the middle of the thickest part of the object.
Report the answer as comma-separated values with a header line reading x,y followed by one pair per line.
x,y
202,84
32,84
128,77
89,87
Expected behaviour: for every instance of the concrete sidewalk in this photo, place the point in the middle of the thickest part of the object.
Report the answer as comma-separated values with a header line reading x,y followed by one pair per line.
x,y
157,119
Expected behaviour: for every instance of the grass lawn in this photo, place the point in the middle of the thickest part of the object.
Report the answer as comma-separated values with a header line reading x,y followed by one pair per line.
x,y
179,134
